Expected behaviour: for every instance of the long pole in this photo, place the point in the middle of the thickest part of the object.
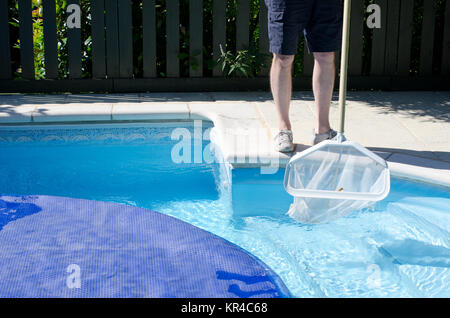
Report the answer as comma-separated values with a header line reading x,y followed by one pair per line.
x,y
344,64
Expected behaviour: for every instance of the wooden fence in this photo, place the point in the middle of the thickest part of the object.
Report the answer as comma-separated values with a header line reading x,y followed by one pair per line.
x,y
379,58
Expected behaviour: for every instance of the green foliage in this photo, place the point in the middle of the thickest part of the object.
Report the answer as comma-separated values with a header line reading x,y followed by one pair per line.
x,y
38,42
245,63
61,36
234,64
38,37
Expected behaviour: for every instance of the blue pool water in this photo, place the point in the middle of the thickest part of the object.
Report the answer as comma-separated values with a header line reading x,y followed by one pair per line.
x,y
400,248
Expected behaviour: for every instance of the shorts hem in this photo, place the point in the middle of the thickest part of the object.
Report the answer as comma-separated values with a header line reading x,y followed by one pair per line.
x,y
278,50
324,49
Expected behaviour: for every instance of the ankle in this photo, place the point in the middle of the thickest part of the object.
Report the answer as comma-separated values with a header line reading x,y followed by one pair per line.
x,y
284,127
323,129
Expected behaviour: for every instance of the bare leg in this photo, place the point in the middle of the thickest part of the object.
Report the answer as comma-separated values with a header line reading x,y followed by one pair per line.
x,y
281,85
323,85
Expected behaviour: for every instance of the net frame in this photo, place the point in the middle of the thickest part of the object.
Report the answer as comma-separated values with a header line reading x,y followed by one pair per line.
x,y
344,195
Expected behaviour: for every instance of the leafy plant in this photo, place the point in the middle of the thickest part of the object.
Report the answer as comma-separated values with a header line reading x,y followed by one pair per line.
x,y
245,62
38,41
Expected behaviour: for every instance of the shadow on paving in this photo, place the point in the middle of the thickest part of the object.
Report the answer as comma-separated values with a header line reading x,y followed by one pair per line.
x,y
439,159
416,104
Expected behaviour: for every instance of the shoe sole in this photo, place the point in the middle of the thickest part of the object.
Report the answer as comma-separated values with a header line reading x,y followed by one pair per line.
x,y
291,149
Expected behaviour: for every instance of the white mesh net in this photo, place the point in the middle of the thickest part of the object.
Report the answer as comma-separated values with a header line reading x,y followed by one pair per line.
x,y
333,179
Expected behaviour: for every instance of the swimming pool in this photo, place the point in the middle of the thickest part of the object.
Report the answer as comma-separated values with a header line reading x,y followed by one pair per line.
x,y
399,249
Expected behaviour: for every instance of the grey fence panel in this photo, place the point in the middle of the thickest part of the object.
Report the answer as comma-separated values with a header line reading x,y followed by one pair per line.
x,y
405,37
26,39
50,43
5,54
219,32
308,60
126,39
356,38
392,36
445,68
263,37
112,48
74,46
112,39
379,42
173,38
427,39
98,38
196,37
242,25
149,37
337,62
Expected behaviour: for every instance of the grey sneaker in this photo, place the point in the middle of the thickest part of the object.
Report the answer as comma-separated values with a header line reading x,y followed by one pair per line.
x,y
330,134
284,141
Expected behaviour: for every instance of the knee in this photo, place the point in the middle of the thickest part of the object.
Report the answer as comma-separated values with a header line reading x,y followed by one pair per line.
x,y
324,57
283,61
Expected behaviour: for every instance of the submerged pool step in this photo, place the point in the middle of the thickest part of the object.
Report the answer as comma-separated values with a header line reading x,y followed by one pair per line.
x,y
256,194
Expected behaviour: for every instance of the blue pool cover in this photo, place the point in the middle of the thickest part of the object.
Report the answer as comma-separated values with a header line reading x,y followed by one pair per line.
x,y
63,247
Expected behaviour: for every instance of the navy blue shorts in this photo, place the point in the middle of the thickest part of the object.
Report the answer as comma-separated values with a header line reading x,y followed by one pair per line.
x,y
319,20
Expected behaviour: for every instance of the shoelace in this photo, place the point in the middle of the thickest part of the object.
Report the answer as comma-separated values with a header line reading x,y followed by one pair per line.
x,y
284,136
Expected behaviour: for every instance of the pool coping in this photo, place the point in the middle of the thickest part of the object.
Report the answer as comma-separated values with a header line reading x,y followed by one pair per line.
x,y
232,121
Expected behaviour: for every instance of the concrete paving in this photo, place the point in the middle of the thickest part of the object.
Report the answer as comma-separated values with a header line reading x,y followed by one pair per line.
x,y
416,123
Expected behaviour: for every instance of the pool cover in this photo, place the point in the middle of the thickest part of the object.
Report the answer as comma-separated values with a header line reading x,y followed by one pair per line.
x,y
63,247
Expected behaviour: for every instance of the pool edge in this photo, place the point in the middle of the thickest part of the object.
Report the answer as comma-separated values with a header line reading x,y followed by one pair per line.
x,y
225,120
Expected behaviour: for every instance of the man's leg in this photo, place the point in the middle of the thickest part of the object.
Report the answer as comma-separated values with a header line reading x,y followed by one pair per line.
x,y
323,85
281,86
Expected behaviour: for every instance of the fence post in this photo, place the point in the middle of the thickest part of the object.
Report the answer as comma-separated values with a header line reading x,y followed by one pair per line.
x,y
50,43
112,39
263,37
26,39
173,38
149,37
427,39
5,54
379,42
74,45
196,37
242,24
356,38
125,39
392,32
98,39
445,68
308,60
219,32
405,37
